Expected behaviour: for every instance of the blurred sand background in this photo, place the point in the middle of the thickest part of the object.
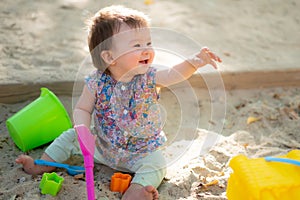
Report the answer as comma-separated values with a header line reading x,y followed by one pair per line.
x,y
43,43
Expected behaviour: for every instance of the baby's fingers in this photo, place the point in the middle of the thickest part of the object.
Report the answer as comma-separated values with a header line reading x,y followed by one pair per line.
x,y
214,57
211,54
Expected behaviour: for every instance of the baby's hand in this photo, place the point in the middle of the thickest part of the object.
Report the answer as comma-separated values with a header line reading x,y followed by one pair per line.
x,y
203,58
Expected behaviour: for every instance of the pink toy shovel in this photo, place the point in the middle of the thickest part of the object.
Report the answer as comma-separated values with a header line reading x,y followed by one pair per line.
x,y
87,146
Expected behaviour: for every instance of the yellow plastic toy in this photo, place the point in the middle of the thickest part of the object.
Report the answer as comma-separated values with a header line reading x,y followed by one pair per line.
x,y
265,179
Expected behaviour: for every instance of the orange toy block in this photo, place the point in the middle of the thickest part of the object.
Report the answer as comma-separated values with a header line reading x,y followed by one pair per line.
x,y
120,182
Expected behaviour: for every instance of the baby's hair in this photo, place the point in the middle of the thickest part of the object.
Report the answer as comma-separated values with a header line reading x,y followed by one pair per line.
x,y
107,22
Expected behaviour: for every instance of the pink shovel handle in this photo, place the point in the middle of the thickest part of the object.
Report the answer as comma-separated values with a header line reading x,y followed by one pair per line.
x,y
89,174
88,161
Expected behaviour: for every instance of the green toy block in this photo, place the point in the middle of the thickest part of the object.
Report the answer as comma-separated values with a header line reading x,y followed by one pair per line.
x,y
51,183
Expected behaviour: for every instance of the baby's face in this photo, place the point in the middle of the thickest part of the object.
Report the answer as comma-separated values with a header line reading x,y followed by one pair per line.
x,y
132,50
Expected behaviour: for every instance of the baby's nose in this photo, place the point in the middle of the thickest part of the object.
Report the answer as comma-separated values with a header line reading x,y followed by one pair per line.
x,y
146,50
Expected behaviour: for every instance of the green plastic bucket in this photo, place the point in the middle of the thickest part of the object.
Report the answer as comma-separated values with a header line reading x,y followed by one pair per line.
x,y
39,122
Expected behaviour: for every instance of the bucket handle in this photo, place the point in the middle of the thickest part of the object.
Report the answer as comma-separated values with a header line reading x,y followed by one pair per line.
x,y
283,160
44,91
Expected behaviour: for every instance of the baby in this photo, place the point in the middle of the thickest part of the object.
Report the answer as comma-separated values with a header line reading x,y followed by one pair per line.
x,y
122,96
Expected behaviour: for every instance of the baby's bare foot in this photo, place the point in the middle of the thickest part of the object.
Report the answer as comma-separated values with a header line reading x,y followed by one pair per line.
x,y
29,166
136,191
27,162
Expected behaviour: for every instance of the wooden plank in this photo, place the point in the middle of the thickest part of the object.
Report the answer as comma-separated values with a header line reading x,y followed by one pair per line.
x,y
249,80
13,93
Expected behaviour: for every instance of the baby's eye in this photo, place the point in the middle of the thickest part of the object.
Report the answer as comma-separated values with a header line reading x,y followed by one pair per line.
x,y
137,45
149,44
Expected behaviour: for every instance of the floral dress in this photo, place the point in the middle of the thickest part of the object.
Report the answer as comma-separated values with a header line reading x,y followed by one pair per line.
x,y
126,116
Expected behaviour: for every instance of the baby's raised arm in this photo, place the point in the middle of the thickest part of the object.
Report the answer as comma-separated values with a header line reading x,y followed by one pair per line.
x,y
184,70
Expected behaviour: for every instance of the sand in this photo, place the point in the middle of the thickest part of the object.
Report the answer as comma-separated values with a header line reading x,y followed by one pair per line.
x,y
275,133
44,43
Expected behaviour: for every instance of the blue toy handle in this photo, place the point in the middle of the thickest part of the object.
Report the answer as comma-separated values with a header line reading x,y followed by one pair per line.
x,y
283,160
49,163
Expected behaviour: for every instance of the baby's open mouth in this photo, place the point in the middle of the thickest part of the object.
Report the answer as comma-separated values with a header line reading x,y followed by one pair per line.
x,y
143,61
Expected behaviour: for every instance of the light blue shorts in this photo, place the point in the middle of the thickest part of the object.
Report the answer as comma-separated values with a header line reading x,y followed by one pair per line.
x,y
150,170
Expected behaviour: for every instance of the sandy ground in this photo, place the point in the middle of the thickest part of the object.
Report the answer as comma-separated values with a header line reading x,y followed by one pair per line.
x,y
276,132
45,41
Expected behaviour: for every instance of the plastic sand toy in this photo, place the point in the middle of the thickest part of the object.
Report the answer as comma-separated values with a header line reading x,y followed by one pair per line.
x,y
51,183
72,170
38,123
87,146
120,182
267,178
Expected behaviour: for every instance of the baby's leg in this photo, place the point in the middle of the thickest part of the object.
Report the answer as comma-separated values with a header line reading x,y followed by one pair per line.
x,y
29,166
150,171
59,151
